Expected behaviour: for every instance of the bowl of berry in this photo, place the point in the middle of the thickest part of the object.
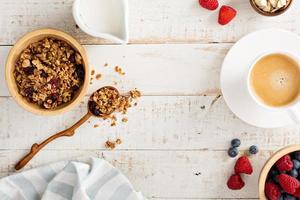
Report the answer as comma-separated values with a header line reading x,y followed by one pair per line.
x,y
280,177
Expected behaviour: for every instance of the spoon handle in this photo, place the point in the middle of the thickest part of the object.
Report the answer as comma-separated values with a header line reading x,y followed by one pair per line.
x,y
37,147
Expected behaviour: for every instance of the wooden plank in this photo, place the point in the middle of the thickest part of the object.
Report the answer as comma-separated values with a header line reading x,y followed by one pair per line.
x,y
156,21
162,174
157,122
184,69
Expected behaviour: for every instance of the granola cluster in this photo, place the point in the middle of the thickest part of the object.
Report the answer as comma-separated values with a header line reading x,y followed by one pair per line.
x,y
49,73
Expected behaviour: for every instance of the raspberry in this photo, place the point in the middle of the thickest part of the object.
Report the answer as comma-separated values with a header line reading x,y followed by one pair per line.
x,y
272,191
243,166
284,163
209,4
235,182
226,14
288,183
297,193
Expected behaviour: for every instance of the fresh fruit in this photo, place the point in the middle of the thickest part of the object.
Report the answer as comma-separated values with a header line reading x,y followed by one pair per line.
x,y
253,149
297,155
294,173
273,175
243,166
288,183
233,152
209,4
272,191
297,193
284,163
235,142
226,14
288,197
296,164
235,182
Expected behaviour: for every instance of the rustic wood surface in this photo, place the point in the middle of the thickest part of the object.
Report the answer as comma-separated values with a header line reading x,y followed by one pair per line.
x,y
175,142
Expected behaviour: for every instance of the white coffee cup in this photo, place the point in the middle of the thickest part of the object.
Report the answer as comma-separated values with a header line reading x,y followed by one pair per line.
x,y
293,108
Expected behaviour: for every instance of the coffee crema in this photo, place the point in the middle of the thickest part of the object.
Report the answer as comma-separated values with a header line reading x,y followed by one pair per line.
x,y
275,79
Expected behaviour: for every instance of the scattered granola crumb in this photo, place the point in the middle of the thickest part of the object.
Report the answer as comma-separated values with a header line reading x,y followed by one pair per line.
x,y
96,126
135,104
115,83
112,144
119,141
91,78
105,65
98,76
202,107
113,120
119,70
113,117
125,119
91,83
92,72
89,122
113,123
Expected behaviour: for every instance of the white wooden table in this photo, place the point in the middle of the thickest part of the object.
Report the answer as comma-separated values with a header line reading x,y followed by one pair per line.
x,y
172,148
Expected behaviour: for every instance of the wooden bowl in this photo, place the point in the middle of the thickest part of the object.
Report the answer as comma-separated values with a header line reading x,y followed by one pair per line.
x,y
14,54
269,164
269,14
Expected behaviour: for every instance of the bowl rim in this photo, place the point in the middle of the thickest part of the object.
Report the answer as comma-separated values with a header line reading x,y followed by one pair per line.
x,y
269,164
10,81
268,14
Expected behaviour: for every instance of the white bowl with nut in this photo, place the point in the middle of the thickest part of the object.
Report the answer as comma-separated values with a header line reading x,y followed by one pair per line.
x,y
271,7
47,72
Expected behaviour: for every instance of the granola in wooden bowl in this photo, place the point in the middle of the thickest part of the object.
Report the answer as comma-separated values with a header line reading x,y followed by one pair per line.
x,y
47,72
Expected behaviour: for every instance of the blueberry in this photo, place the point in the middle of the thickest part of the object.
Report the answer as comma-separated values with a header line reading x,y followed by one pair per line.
x,y
235,142
294,173
297,155
253,149
289,197
281,197
296,164
273,175
233,152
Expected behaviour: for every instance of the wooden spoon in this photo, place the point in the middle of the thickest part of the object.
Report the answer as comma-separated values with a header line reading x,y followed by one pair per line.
x,y
35,148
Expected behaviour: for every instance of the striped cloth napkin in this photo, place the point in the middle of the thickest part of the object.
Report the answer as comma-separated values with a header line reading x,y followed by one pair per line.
x,y
96,179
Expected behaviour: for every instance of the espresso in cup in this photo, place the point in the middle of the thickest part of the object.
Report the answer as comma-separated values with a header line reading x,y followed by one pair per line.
x,y
275,80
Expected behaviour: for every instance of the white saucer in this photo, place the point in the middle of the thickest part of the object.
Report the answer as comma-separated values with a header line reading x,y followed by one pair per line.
x,y
234,73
